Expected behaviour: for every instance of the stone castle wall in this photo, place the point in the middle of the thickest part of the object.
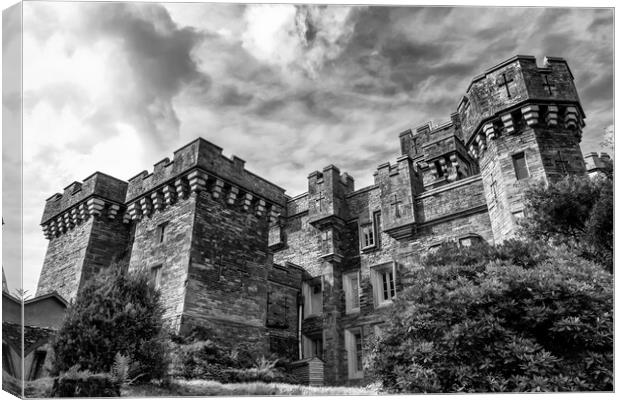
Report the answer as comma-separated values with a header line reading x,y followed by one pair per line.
x,y
238,252
172,254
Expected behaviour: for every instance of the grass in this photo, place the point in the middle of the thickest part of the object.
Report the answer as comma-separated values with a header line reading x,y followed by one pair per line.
x,y
213,388
41,388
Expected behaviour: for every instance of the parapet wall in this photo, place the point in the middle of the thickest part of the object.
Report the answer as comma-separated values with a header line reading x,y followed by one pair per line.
x,y
595,162
97,184
514,82
208,157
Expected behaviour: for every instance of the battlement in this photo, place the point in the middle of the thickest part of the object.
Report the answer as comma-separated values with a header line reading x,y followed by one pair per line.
x,y
208,157
514,83
98,184
596,162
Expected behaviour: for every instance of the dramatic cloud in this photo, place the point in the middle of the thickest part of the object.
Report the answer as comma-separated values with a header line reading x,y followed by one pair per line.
x,y
297,37
118,86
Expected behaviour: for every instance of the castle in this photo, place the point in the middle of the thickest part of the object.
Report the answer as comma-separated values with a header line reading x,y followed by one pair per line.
x,y
311,277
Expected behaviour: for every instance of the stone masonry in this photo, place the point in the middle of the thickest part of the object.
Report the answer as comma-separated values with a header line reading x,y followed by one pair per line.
x,y
312,277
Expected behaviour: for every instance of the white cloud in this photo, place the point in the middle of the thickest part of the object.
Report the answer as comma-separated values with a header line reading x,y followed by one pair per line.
x,y
270,33
297,38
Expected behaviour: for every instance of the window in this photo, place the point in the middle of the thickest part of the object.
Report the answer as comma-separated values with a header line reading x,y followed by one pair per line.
x,y
470,239
326,242
37,365
351,283
155,277
370,233
520,165
161,232
313,297
312,346
438,168
367,236
376,222
354,345
384,284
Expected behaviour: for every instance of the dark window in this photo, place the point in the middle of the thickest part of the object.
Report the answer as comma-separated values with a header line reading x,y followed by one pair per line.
x,y
155,277
37,365
161,232
377,227
358,351
520,165
439,169
388,285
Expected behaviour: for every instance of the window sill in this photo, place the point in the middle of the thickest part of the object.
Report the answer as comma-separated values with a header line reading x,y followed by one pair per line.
x,y
368,249
384,304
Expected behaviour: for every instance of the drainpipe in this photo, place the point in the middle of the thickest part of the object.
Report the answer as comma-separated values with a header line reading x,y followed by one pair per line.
x,y
300,309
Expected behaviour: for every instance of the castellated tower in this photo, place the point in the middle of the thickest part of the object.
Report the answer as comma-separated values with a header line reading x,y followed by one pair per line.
x,y
199,225
201,230
86,232
523,123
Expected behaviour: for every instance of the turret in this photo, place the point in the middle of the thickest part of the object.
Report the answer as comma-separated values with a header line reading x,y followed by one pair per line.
x,y
598,164
327,207
86,232
522,123
398,184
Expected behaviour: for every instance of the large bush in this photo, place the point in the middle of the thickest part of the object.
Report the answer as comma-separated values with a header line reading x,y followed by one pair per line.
x,y
576,211
114,313
206,359
494,326
524,253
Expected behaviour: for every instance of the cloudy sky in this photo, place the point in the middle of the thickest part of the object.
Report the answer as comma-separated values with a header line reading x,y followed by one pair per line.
x,y
115,87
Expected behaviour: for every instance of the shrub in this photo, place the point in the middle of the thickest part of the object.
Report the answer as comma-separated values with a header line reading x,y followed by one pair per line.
x,y
500,327
524,253
75,383
115,312
450,252
203,359
206,359
576,211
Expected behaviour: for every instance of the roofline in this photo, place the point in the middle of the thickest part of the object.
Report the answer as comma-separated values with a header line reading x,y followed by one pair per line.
x,y
498,66
11,297
53,294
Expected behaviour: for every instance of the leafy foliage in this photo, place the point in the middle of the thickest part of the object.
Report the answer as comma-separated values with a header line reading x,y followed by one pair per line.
x,y
576,211
206,359
115,312
77,383
522,253
492,326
